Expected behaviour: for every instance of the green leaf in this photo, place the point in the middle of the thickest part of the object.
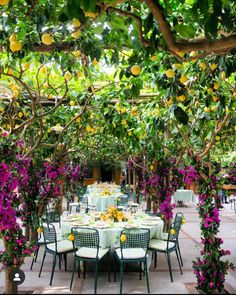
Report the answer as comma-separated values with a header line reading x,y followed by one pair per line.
x,y
181,115
148,23
185,31
211,26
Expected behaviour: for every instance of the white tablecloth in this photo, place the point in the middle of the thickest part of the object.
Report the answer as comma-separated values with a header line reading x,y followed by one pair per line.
x,y
102,202
184,195
110,237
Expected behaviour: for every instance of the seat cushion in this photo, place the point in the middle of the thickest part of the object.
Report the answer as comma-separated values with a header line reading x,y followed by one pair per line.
x,y
91,252
131,253
62,246
160,245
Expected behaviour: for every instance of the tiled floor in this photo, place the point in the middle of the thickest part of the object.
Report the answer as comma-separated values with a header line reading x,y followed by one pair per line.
x,y
159,277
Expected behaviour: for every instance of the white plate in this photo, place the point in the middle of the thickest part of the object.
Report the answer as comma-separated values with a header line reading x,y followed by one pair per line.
x,y
148,222
154,218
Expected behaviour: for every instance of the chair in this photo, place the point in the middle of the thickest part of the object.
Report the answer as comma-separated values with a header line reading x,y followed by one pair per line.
x,y
54,247
86,248
167,246
122,202
39,238
75,205
133,248
53,216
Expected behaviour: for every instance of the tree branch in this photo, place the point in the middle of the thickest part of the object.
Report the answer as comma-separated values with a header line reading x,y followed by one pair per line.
x,y
138,20
216,46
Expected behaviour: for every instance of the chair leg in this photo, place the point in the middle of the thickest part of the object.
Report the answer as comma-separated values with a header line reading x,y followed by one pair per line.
x,y
169,264
155,260
65,260
79,269
121,276
37,252
176,251
59,261
84,265
140,270
180,256
96,277
146,273
44,255
73,272
108,266
53,267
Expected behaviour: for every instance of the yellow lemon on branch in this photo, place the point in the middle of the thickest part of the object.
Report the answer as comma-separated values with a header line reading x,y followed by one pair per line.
x,y
135,70
47,39
15,46
4,2
170,73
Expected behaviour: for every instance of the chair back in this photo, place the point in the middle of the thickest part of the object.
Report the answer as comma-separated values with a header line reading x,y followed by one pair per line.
x,y
173,234
85,237
122,200
49,234
35,222
178,218
135,238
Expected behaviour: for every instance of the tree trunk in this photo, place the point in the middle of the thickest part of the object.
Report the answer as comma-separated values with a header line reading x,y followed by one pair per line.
x,y
10,287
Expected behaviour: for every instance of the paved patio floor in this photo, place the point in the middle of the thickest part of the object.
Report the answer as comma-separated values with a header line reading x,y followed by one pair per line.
x,y
159,278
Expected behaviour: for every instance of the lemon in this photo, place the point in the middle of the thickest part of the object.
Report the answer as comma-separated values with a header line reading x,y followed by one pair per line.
x,y
216,85
77,53
177,66
180,53
10,71
202,65
183,79
90,14
227,110
151,167
76,23
20,114
172,232
39,230
209,90
183,221
43,70
72,103
67,76
94,62
181,97
79,74
4,2
130,133
215,98
50,96
47,39
213,66
235,128
76,34
71,237
153,58
193,54
123,238
26,66
123,110
135,70
12,37
217,137
223,75
170,102
170,73
15,46
15,93
234,93
207,109
214,108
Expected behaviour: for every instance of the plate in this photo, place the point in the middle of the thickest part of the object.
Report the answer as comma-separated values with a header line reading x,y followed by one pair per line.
x,y
149,222
102,225
154,218
80,223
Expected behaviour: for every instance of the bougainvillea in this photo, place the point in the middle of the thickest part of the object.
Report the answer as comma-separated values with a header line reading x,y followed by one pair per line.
x,y
209,269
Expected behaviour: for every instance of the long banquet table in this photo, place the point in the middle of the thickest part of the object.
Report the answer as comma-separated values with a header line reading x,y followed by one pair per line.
x,y
184,195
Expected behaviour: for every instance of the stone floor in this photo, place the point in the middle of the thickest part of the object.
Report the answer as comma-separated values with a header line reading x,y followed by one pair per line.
x,y
159,278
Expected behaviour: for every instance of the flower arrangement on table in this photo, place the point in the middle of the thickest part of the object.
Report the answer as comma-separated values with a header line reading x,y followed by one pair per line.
x,y
114,214
106,192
